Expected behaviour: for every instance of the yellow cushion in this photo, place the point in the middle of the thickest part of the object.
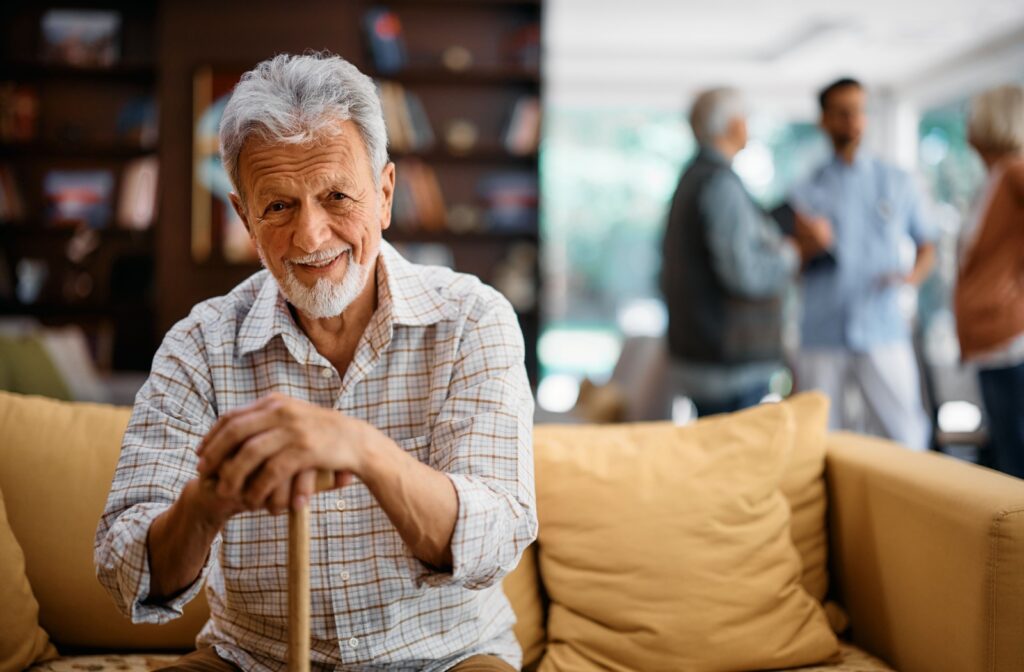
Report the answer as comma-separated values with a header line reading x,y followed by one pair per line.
x,y
22,641
522,588
803,484
668,548
58,462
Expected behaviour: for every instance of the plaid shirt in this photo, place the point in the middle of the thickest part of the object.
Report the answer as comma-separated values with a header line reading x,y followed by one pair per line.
x,y
440,371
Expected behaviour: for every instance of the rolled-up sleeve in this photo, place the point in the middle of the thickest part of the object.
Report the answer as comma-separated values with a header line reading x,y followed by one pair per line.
x,y
482,440
171,415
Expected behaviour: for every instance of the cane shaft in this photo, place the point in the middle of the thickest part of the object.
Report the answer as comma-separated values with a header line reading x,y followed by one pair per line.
x,y
298,590
298,580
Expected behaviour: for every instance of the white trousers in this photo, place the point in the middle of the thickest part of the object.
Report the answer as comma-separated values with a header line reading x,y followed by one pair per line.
x,y
890,391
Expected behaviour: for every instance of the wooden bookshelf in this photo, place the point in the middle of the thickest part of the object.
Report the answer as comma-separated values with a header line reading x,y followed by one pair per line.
x,y
482,90
102,281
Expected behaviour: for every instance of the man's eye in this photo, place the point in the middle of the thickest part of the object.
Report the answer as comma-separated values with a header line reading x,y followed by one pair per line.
x,y
337,196
276,207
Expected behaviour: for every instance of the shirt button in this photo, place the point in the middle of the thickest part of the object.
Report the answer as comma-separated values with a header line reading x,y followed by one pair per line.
x,y
353,642
326,372
340,505
344,576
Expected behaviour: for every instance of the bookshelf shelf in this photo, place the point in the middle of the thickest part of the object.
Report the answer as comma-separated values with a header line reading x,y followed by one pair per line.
x,y
27,71
495,76
481,155
39,230
51,310
55,150
397,234
465,4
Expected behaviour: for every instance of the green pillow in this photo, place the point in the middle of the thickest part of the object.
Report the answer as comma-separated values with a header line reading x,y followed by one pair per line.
x,y
26,368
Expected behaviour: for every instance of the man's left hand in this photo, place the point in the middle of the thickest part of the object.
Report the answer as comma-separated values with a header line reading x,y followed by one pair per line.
x,y
269,451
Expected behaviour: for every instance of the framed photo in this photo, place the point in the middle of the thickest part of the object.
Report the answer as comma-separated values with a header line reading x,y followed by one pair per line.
x,y
217,231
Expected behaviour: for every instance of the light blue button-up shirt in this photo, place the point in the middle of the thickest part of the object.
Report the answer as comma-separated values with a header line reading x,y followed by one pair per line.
x,y
877,217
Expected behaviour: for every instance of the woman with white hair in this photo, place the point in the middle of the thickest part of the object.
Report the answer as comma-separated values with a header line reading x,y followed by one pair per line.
x,y
990,291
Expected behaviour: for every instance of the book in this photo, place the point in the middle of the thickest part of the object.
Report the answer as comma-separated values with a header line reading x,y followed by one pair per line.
x,y
419,202
138,122
384,37
78,197
409,128
522,133
81,38
511,199
12,206
522,47
19,112
136,205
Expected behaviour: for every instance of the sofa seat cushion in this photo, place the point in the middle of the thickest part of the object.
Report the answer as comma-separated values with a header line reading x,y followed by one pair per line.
x,y
112,662
850,659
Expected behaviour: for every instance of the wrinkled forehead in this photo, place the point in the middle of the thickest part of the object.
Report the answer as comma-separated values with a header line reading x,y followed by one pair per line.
x,y
334,152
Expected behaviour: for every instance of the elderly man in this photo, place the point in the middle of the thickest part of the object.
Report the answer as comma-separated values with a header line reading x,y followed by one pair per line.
x,y
725,266
852,323
406,381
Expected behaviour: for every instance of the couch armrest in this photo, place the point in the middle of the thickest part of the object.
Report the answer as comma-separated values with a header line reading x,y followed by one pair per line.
x,y
928,556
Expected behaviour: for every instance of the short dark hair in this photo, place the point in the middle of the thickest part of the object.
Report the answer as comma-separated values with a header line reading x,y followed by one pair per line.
x,y
835,86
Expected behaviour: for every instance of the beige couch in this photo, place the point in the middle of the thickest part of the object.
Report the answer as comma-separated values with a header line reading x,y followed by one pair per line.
x,y
926,553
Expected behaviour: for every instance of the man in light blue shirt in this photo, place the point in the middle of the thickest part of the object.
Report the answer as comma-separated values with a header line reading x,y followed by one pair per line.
x,y
852,325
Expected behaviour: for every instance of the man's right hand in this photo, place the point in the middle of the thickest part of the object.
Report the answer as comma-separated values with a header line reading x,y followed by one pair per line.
x,y
813,235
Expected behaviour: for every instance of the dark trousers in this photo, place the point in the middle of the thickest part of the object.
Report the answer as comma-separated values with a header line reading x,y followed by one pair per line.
x,y
750,397
1003,393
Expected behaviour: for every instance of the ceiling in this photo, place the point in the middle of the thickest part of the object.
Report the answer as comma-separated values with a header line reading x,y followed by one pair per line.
x,y
660,51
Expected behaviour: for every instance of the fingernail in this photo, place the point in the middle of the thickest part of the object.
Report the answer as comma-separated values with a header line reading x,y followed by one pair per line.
x,y
202,464
300,502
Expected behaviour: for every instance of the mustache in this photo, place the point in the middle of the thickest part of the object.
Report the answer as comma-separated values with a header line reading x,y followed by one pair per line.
x,y
317,257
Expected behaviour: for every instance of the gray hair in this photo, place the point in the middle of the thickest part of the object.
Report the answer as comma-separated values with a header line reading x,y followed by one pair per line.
x,y
996,120
298,99
713,110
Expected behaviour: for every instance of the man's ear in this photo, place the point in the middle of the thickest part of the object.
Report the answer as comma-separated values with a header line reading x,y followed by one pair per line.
x,y
236,203
387,192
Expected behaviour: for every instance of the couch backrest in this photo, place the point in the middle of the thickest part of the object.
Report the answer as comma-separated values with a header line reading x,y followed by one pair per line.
x,y
58,463
59,459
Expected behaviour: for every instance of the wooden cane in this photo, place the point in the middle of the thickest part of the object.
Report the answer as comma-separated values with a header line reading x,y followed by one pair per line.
x,y
298,580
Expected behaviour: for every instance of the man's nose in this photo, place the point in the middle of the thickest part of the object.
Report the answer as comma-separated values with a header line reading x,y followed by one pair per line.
x,y
312,227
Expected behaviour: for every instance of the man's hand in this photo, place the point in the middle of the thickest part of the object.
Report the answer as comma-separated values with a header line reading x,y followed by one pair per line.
x,y
267,453
813,235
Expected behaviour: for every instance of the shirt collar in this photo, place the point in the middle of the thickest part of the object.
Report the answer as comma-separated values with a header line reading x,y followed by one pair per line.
x,y
403,298
861,158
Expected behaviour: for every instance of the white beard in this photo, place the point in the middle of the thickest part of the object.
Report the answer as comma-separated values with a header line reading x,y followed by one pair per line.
x,y
325,298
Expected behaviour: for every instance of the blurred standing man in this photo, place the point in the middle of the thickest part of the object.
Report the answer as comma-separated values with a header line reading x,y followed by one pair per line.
x,y
725,266
852,323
